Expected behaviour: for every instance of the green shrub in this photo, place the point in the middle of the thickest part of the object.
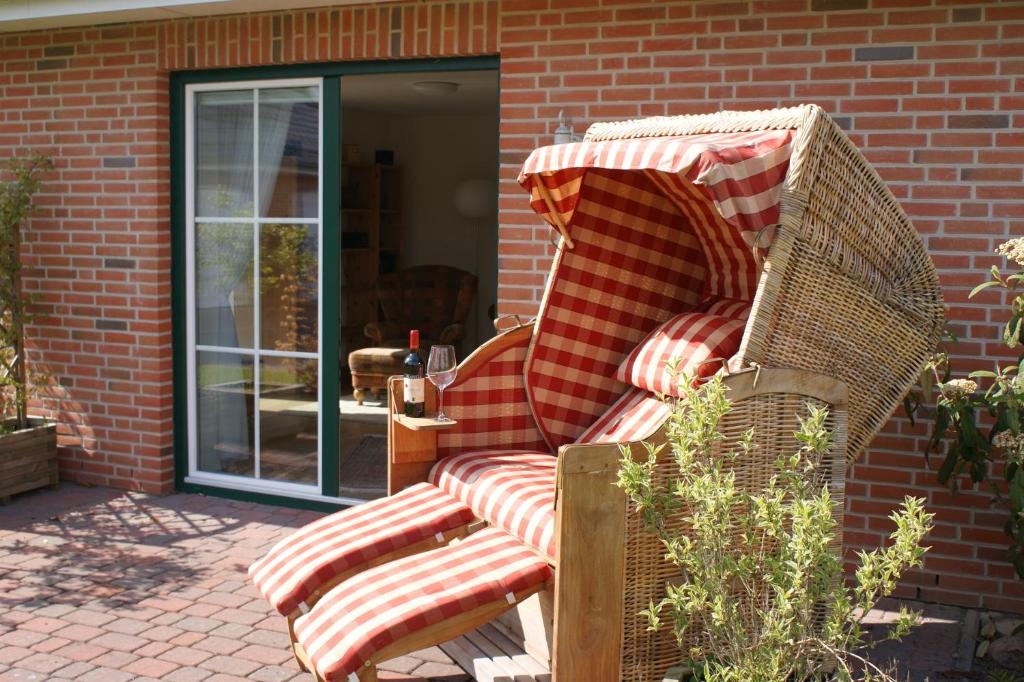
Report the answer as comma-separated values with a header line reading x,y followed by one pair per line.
x,y
15,205
759,575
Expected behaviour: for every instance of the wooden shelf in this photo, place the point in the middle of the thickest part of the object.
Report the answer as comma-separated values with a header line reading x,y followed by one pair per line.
x,y
422,423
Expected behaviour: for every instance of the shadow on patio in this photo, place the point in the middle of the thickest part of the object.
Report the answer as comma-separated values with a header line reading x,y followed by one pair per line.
x,y
100,584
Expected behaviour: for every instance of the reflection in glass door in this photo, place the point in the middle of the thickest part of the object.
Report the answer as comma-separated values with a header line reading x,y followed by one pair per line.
x,y
253,197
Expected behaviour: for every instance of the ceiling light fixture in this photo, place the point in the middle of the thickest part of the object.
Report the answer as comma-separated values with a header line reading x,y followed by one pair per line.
x,y
435,87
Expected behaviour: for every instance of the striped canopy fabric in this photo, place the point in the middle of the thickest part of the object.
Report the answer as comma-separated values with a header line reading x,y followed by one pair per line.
x,y
727,184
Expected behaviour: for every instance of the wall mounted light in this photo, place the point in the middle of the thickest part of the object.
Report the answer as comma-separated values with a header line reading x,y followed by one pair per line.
x,y
563,132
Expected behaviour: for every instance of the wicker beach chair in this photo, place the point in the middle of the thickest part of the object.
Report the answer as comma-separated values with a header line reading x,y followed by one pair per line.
x,y
757,244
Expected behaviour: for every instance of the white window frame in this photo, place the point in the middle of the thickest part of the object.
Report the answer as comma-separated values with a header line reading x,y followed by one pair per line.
x,y
194,475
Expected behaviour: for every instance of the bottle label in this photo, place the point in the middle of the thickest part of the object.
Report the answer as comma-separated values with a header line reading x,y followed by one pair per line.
x,y
412,389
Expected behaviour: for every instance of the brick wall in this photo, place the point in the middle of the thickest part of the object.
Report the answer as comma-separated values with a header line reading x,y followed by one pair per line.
x,y
931,90
98,253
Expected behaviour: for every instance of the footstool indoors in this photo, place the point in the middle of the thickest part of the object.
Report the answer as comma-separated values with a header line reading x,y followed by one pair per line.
x,y
371,368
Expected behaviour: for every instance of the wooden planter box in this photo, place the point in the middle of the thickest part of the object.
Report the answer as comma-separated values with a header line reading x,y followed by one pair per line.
x,y
28,459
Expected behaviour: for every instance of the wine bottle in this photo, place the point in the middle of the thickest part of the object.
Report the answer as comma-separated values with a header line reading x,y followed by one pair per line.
x,y
413,383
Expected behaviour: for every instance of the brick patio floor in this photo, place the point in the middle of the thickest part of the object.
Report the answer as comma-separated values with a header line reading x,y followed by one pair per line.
x,y
103,585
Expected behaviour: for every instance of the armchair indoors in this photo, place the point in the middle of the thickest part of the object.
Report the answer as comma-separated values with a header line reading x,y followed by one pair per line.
x,y
435,299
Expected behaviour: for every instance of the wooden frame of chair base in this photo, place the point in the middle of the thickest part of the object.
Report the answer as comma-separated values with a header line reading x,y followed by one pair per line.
x,y
608,567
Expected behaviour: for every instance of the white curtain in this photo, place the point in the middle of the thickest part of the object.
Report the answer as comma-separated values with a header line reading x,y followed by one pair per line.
x,y
275,120
224,154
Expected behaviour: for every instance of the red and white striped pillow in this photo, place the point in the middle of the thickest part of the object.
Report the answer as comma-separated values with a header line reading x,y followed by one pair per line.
x,y
695,340
732,308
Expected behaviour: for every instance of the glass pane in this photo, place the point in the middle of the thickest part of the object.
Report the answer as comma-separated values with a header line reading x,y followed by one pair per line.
x,y
224,300
289,152
225,438
288,420
224,149
288,287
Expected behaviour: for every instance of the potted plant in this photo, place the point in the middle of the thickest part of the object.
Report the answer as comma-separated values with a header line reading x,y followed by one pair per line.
x,y
28,445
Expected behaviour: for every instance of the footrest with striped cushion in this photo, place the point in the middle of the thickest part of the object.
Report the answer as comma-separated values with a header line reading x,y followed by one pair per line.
x,y
418,601
318,554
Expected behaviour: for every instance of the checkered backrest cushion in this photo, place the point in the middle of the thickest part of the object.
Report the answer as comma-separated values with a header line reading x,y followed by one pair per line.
x,y
636,262
700,344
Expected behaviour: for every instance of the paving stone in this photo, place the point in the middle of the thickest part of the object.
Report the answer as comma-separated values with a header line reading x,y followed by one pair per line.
x,y
13,654
162,633
85,617
127,626
79,651
276,673
74,671
21,675
114,659
232,631
185,655
187,638
106,675
446,670
188,674
49,644
198,624
268,638
55,610
222,677
389,676
79,633
44,663
264,654
151,667
167,618
219,645
22,638
230,665
43,624
153,649
119,642
402,664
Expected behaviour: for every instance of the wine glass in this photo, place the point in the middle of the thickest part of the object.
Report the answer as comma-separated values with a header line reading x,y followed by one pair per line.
x,y
441,372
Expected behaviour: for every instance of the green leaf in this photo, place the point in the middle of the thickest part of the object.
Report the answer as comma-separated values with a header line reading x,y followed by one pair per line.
x,y
981,287
946,470
983,374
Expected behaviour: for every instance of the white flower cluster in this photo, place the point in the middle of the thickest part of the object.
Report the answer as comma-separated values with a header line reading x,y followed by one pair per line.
x,y
1011,444
1013,250
959,389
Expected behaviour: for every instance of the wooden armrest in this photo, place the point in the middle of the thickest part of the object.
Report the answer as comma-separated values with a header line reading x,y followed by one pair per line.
x,y
422,423
590,517
412,449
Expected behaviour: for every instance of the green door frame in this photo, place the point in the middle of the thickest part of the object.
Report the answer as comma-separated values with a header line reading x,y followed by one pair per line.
x,y
332,73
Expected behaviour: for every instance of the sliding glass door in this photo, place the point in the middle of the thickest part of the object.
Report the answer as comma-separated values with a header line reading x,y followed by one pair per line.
x,y
254,254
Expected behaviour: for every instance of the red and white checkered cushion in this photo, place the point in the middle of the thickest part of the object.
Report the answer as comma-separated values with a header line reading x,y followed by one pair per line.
x,y
634,416
726,307
513,490
692,339
298,565
380,606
